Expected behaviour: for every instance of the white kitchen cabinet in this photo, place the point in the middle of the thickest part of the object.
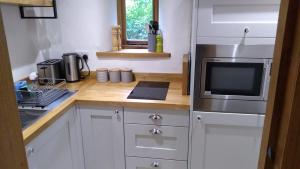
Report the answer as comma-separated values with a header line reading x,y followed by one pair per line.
x,y
103,137
225,140
157,117
59,146
238,40
152,141
150,163
237,18
156,138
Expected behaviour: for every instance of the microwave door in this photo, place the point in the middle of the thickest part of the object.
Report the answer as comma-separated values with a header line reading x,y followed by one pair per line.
x,y
241,79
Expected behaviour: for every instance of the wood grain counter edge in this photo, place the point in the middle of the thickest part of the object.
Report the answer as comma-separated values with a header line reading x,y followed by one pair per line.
x,y
137,105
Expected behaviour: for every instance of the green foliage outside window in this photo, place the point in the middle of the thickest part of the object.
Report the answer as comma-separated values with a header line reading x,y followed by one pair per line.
x,y
138,13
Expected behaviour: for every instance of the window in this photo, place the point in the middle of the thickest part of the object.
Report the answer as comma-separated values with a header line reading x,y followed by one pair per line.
x,y
132,17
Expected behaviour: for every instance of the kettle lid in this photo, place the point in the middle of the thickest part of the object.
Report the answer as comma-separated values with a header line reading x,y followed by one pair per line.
x,y
70,54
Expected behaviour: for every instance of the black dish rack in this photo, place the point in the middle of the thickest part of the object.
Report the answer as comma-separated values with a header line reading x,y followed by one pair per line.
x,y
39,95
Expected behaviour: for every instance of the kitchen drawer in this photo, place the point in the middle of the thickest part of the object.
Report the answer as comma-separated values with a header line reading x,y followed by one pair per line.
x,y
147,163
157,117
156,141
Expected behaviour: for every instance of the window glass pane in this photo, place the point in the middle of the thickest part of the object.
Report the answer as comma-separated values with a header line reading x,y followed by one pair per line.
x,y
138,13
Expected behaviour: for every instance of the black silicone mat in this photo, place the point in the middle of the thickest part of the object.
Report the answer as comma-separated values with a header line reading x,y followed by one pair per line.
x,y
150,90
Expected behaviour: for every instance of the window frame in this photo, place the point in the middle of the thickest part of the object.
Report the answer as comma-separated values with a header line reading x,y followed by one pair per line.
x,y
126,44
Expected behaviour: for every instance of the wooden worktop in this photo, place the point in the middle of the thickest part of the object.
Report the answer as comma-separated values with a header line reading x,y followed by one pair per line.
x,y
111,94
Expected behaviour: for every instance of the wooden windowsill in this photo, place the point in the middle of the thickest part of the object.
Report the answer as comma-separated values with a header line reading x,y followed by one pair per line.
x,y
132,53
134,46
28,2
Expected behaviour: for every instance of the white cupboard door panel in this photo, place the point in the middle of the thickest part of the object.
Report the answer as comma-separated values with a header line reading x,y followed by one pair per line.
x,y
156,141
230,18
157,117
103,138
148,163
241,41
56,154
226,140
54,148
76,140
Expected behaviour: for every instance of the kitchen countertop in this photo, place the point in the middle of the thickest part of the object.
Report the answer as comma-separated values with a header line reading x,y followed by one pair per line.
x,y
111,94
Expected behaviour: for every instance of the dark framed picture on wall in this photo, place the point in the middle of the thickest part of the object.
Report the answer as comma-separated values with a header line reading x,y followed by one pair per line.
x,y
39,12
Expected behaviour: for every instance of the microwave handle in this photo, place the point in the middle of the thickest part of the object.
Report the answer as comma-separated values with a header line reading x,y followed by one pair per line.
x,y
267,77
203,78
270,70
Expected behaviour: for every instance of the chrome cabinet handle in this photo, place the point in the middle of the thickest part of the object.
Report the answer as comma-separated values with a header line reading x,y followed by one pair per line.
x,y
155,164
246,30
29,151
199,118
155,132
155,116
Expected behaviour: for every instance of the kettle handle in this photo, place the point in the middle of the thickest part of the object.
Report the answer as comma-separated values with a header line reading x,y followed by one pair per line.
x,y
81,60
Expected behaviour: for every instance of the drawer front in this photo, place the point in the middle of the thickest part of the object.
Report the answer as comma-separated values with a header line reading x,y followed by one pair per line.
x,y
156,141
146,163
157,117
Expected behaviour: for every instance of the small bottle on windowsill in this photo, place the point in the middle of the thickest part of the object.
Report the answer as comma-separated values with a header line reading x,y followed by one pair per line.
x,y
159,42
116,38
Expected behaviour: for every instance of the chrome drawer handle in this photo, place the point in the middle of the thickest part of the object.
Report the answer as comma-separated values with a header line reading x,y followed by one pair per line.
x,y
155,164
155,116
155,132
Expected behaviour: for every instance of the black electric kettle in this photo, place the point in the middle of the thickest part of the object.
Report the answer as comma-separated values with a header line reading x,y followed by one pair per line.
x,y
73,67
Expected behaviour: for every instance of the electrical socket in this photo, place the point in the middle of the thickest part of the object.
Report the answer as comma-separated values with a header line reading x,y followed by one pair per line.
x,y
85,57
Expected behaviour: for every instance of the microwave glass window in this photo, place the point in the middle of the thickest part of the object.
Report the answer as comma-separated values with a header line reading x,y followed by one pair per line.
x,y
234,78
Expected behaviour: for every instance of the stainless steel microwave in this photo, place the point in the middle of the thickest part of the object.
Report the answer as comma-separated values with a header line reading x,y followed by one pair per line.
x,y
232,78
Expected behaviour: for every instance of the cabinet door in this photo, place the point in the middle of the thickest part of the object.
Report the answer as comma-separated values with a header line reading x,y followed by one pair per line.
x,y
225,141
103,137
230,18
58,147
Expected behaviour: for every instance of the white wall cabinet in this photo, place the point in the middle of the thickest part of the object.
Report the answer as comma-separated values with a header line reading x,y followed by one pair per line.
x,y
225,140
231,18
236,21
103,137
59,146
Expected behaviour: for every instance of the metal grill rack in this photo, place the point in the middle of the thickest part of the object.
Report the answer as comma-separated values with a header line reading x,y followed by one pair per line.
x,y
39,95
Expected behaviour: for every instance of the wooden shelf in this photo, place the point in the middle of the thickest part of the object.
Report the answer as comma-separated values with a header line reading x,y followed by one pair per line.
x,y
28,2
132,53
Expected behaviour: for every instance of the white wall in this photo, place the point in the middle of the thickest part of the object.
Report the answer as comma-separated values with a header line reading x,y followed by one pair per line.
x,y
85,26
23,42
